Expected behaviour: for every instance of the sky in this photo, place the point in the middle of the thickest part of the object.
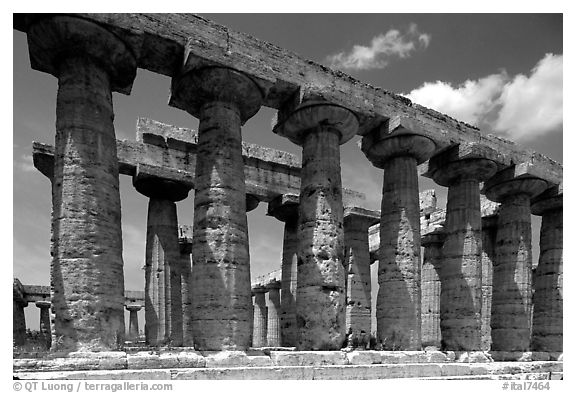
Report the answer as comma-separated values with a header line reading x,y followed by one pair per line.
x,y
501,72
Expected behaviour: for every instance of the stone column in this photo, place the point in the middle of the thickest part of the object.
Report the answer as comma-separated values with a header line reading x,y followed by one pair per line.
x,y
398,304
357,265
133,330
285,208
18,316
489,230
260,318
273,319
162,288
320,128
547,333
461,296
186,280
45,331
223,99
512,277
87,268
431,288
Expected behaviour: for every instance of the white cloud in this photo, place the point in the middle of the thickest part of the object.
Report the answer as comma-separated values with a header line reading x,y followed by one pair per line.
x,y
25,163
521,108
382,48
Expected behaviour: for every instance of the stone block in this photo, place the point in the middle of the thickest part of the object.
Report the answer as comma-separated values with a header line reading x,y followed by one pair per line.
x,y
452,369
235,359
181,359
473,357
253,373
435,357
140,360
308,358
363,357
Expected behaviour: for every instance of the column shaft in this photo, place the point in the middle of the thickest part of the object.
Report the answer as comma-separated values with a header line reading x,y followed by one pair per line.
x,y
45,330
18,323
87,268
512,278
288,327
320,298
162,256
398,303
260,320
488,257
461,297
222,309
431,289
133,329
187,311
273,319
547,331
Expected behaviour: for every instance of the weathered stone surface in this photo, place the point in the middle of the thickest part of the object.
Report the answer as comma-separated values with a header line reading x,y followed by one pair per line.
x,y
18,316
133,329
285,208
489,229
320,298
45,330
431,288
186,287
260,318
222,309
357,265
308,358
547,329
273,319
235,359
87,277
512,267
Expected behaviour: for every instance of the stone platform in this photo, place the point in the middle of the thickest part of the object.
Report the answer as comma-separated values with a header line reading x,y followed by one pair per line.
x,y
185,363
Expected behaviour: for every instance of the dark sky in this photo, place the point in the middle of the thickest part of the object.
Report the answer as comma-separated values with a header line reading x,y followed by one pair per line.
x,y
501,71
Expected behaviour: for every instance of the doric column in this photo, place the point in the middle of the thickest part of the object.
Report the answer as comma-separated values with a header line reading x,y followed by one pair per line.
x,y
285,208
260,318
223,99
45,331
431,288
489,230
547,333
320,128
357,266
162,288
133,330
18,316
461,169
87,268
512,267
273,319
185,240
398,304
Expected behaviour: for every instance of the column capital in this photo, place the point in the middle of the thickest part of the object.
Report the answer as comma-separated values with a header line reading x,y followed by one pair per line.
x,y
259,290
396,139
509,181
315,114
43,303
436,237
549,200
149,184
195,87
284,207
252,202
354,214
133,307
52,38
447,172
274,285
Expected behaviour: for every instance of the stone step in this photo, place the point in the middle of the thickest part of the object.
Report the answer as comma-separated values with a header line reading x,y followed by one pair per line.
x,y
494,370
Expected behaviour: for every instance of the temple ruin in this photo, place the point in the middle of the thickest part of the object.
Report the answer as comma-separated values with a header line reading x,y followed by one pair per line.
x,y
457,292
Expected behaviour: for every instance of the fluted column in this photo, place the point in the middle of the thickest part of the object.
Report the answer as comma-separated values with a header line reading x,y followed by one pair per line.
x,y
285,208
260,326
357,264
431,288
133,330
18,316
320,128
45,331
489,230
162,288
547,331
273,318
461,296
87,268
512,276
186,287
223,99
398,304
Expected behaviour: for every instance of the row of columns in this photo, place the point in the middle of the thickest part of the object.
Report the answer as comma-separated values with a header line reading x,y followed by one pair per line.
x,y
87,278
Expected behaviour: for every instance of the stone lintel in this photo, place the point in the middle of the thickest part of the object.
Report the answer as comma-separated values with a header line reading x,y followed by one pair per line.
x,y
273,285
264,280
35,293
168,37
